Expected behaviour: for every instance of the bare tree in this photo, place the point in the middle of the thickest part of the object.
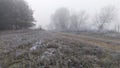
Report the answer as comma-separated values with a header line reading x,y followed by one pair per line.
x,y
106,16
82,19
78,20
60,19
73,25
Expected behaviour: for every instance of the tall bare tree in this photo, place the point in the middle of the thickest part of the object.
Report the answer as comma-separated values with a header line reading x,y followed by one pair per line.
x,y
78,20
82,19
73,25
106,16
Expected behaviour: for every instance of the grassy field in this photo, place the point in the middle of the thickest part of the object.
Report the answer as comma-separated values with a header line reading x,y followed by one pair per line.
x,y
46,49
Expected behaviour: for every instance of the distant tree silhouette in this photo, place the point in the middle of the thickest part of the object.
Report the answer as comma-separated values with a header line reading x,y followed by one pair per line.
x,y
107,15
77,20
60,19
15,14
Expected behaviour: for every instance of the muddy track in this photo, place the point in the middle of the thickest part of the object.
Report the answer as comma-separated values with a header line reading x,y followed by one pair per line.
x,y
108,43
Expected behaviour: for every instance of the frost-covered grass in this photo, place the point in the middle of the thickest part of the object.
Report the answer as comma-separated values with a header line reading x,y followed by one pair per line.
x,y
42,49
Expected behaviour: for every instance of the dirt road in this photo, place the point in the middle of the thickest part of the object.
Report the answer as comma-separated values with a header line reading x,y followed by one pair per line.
x,y
109,43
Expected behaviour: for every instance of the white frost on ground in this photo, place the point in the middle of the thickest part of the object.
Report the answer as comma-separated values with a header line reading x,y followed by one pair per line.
x,y
36,45
50,53
33,48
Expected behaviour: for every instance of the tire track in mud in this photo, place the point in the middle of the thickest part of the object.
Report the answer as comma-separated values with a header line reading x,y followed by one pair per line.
x,y
105,43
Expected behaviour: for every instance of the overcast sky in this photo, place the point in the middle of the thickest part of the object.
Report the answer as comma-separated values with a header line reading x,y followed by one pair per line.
x,y
44,8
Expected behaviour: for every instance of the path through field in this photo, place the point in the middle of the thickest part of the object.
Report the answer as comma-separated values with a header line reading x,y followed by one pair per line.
x,y
47,49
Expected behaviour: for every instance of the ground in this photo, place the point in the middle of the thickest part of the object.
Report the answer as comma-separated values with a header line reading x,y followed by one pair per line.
x,y
48,49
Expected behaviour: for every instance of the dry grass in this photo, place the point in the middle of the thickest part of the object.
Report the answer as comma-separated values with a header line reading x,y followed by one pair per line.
x,y
62,51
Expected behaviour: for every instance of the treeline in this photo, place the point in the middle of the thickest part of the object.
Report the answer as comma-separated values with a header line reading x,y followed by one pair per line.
x,y
64,20
15,14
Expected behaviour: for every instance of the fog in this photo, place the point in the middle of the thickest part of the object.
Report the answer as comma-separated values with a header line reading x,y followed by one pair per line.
x,y
59,33
43,9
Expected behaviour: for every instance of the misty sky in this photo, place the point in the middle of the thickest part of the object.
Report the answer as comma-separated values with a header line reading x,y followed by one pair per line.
x,y
44,8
